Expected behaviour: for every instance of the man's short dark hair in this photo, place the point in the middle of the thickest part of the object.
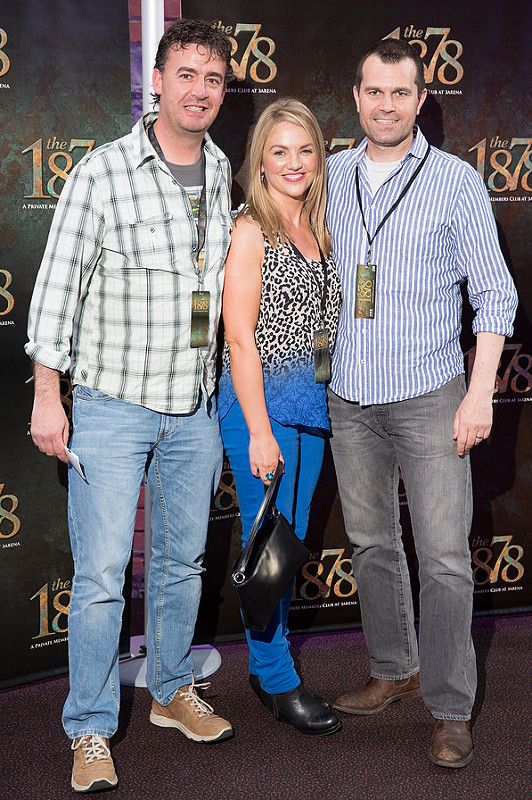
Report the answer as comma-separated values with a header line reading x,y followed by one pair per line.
x,y
392,51
192,31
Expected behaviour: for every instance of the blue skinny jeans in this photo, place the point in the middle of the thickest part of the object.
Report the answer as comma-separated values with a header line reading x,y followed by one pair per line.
x,y
302,450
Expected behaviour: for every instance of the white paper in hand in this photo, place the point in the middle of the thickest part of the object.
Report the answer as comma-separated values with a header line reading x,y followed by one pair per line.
x,y
76,463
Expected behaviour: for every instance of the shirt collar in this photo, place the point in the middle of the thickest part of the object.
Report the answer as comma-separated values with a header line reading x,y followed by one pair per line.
x,y
417,149
143,149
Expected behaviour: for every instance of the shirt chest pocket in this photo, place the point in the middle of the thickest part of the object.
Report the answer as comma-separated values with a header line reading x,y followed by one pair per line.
x,y
157,243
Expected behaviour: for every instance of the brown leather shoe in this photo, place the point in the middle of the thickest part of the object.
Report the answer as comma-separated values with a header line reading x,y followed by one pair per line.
x,y
377,694
451,744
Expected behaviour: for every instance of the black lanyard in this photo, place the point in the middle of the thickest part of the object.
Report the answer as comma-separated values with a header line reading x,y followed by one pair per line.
x,y
201,223
371,239
323,303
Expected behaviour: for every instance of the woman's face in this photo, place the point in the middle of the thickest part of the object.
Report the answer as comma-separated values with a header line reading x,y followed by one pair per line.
x,y
289,161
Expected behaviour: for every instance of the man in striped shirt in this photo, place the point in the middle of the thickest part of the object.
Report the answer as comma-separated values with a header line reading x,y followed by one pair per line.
x,y
128,298
409,224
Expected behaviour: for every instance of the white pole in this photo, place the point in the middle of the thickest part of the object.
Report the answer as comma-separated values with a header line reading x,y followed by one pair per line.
x,y
152,29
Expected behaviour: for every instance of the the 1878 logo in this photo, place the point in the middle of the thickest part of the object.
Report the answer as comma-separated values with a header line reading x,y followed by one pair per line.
x,y
439,53
507,167
328,576
497,560
251,53
225,503
5,62
9,521
54,601
336,144
7,301
51,161
514,373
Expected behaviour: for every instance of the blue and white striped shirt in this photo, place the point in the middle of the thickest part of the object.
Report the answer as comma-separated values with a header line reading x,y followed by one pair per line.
x,y
442,234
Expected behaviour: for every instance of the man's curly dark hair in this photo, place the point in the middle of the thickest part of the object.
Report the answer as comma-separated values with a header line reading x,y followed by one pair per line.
x,y
191,31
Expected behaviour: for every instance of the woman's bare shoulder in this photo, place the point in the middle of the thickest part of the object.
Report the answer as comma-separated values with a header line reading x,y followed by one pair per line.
x,y
247,233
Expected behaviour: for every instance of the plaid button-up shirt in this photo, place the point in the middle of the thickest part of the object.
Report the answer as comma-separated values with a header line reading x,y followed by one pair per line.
x,y
112,299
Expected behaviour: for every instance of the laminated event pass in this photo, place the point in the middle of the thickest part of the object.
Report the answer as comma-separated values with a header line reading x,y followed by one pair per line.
x,y
322,358
365,291
199,319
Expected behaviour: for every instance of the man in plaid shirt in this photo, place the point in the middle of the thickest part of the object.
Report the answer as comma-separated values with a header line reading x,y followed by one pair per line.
x,y
128,299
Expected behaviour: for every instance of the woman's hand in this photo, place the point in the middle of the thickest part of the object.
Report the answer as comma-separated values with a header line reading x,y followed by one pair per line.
x,y
264,455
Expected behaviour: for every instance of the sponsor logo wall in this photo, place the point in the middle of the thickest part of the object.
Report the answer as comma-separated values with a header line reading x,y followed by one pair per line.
x,y
64,89
60,101
473,68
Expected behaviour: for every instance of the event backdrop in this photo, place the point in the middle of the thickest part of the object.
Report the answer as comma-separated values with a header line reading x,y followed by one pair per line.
x,y
474,57
64,85
64,89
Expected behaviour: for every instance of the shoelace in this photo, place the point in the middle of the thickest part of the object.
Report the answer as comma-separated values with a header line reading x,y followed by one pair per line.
x,y
94,747
190,696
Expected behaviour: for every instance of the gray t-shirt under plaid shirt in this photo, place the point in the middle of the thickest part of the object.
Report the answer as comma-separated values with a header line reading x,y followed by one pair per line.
x,y
191,177
112,300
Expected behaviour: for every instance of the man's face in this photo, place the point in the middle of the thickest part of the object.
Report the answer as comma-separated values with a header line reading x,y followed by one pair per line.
x,y
388,103
192,89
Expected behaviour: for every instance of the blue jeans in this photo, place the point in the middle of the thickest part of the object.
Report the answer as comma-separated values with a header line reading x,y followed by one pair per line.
x,y
302,449
370,444
113,440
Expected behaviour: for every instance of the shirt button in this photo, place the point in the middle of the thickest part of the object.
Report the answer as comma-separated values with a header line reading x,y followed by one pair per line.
x,y
152,230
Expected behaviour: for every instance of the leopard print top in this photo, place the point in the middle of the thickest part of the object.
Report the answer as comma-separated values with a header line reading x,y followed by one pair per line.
x,y
289,313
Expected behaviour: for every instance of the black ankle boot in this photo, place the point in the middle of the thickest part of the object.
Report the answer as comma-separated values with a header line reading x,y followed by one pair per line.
x,y
266,698
301,710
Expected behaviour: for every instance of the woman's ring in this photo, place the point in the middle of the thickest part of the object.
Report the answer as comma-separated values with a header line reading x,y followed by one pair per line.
x,y
269,476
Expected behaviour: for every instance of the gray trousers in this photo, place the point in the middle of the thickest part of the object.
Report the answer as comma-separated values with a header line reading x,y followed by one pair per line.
x,y
370,444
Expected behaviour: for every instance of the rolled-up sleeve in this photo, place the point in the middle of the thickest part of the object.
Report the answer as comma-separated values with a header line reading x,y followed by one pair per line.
x,y
72,250
490,287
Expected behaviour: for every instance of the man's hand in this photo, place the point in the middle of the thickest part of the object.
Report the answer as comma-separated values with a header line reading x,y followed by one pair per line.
x,y
472,422
49,425
49,428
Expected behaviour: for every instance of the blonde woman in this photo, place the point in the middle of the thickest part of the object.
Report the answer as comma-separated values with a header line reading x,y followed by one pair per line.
x,y
280,307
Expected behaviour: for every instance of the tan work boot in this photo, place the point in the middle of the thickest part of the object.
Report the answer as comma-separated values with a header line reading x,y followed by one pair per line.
x,y
377,694
93,769
451,744
191,715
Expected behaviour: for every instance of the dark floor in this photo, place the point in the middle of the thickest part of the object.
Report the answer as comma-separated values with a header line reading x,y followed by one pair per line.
x,y
372,758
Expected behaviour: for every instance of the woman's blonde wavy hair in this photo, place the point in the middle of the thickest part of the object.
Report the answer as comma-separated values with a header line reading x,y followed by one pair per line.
x,y
259,205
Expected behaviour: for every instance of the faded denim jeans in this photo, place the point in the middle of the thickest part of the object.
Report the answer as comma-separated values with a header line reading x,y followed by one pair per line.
x,y
113,439
370,445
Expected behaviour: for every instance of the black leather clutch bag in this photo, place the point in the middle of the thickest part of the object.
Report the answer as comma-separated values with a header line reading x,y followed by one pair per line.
x,y
270,559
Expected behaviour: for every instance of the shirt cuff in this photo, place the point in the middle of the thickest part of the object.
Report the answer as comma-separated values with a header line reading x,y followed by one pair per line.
x,y
483,324
48,358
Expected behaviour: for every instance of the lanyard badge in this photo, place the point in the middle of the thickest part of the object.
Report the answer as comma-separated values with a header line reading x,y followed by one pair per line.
x,y
201,300
322,357
365,291
366,273
321,347
199,319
